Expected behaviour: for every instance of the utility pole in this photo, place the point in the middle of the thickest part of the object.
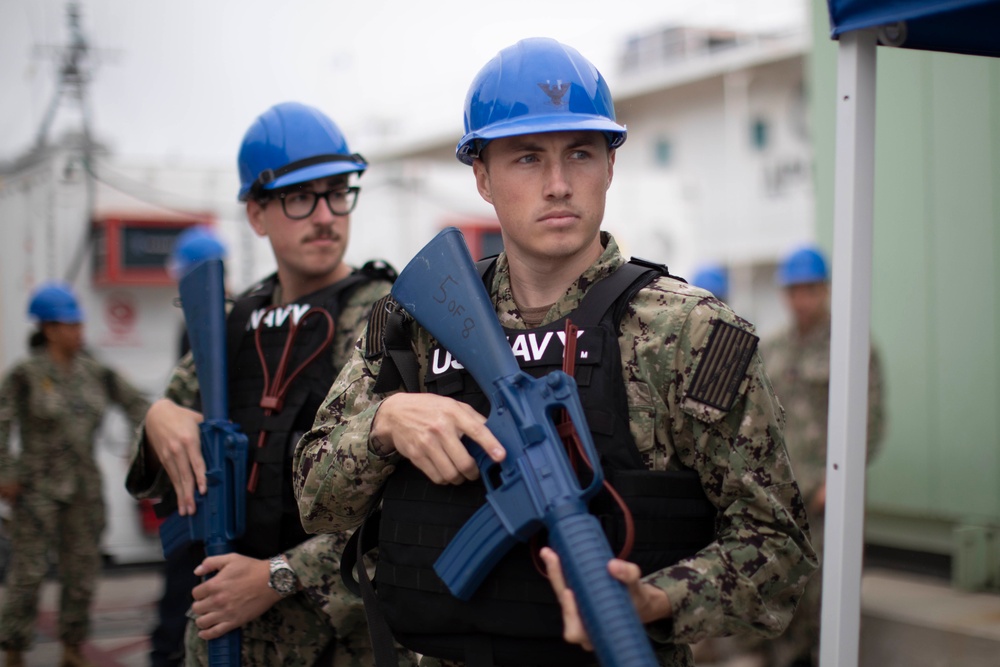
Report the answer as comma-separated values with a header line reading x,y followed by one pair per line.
x,y
73,75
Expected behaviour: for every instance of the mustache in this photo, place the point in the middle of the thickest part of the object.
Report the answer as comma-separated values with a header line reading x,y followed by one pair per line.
x,y
323,234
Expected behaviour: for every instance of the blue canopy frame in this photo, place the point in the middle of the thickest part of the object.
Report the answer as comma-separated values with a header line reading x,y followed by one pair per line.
x,y
954,26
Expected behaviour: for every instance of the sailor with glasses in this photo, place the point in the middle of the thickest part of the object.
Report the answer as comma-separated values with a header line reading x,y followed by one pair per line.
x,y
288,336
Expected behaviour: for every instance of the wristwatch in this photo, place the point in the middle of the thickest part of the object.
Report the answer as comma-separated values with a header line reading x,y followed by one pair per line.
x,y
283,579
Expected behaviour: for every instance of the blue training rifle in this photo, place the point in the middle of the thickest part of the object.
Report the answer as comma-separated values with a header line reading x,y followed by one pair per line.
x,y
220,513
536,486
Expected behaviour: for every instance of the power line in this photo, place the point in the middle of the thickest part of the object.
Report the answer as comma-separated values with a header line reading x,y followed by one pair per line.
x,y
148,194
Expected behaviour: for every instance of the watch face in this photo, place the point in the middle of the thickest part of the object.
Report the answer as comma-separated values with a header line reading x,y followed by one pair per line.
x,y
283,581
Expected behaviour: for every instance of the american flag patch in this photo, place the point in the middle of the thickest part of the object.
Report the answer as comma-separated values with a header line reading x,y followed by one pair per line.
x,y
374,345
721,370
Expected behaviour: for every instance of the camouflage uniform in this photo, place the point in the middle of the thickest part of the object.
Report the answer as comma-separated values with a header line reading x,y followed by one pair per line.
x,y
60,507
294,631
799,368
750,577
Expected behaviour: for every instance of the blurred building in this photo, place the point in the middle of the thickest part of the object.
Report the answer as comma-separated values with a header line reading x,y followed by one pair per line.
x,y
69,212
717,166
721,166
716,169
933,496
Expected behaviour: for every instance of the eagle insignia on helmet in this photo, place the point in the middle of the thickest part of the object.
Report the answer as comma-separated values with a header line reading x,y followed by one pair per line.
x,y
555,91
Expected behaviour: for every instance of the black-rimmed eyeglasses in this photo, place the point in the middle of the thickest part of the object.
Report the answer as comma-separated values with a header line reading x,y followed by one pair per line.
x,y
300,204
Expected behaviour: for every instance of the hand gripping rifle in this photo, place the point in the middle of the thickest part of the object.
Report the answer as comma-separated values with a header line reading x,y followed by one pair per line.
x,y
536,486
220,513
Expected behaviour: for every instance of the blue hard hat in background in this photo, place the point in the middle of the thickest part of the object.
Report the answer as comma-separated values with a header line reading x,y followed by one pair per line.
x,y
805,265
55,302
713,278
194,245
293,143
536,85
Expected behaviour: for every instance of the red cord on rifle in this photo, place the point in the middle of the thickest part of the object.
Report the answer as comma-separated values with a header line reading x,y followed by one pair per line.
x,y
575,451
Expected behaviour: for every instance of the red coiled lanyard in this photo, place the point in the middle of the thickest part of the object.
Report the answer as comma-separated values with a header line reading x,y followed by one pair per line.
x,y
272,398
576,453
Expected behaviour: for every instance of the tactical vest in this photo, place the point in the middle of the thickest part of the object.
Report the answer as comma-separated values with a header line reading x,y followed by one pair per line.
x,y
272,514
514,617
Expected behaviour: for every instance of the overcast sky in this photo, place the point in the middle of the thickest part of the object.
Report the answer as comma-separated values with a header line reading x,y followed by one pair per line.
x,y
182,80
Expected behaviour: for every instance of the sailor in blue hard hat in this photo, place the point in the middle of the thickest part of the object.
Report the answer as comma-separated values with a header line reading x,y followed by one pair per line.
x,y
672,386
287,337
55,302
798,360
565,93
194,245
805,279
57,312
547,91
56,400
296,176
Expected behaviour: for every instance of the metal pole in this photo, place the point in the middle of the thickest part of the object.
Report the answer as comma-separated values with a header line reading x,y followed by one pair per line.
x,y
854,188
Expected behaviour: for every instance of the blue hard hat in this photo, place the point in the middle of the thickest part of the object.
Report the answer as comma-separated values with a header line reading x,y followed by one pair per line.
x,y
805,265
55,302
713,278
536,85
194,245
293,143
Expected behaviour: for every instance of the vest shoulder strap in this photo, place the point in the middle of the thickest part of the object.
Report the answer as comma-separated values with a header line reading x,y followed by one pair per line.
x,y
617,290
379,269
388,336
487,266
602,296
388,324
260,296
370,271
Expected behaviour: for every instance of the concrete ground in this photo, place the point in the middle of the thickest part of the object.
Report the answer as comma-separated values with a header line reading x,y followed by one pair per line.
x,y
906,621
911,621
123,616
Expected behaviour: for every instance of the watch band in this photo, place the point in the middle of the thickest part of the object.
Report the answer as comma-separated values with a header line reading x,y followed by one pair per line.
x,y
282,578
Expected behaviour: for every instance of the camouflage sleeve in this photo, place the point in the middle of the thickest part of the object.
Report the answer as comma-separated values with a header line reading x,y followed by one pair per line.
x,y
729,430
316,563
353,318
10,389
876,405
183,385
335,473
145,479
